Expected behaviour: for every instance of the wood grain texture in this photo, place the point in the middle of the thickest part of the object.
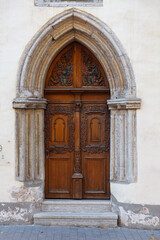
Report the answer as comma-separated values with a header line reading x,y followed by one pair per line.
x,y
77,124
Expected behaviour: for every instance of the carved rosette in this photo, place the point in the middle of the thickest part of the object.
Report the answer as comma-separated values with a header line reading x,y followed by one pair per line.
x,y
62,73
59,109
91,73
95,148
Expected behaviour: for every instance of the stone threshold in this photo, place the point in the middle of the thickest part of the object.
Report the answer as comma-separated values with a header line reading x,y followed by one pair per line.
x,y
80,213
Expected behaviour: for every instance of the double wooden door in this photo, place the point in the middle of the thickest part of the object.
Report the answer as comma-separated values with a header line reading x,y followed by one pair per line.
x,y
77,126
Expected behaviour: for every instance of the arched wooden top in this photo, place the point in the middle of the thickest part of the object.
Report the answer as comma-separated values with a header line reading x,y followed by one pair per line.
x,y
76,67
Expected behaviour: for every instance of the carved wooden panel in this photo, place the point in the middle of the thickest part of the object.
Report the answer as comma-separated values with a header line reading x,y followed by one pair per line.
x,y
95,138
76,66
62,73
95,129
59,128
92,75
59,141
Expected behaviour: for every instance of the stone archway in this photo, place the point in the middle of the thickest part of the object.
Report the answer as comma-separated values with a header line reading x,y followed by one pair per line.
x,y
75,25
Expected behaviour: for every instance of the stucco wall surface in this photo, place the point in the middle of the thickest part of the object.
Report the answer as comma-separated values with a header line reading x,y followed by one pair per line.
x,y
136,24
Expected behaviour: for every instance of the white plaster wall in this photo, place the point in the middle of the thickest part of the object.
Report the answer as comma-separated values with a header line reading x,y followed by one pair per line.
x,y
136,24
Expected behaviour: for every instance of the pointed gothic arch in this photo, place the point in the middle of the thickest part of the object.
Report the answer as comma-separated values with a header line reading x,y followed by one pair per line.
x,y
75,25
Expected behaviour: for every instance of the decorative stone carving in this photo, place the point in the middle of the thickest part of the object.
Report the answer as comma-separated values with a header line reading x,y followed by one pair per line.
x,y
72,25
123,152
29,144
123,162
75,25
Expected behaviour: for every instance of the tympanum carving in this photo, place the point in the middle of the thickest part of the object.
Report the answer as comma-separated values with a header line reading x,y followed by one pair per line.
x,y
62,73
91,74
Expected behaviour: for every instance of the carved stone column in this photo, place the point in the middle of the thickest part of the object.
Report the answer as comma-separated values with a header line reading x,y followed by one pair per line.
x,y
29,139
123,160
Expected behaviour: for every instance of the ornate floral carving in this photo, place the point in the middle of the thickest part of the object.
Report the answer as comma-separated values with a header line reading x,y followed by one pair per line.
x,y
95,148
77,161
78,107
91,73
59,109
62,73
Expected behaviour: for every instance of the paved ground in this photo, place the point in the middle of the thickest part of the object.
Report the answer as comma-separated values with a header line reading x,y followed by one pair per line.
x,y
73,233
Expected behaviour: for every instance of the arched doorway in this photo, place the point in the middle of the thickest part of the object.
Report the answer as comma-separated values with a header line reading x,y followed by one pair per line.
x,y
77,126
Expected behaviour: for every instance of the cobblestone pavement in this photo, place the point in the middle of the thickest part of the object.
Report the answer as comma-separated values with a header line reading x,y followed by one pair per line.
x,y
74,233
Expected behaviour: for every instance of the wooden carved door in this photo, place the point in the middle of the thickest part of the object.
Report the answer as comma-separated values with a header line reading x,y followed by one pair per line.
x,y
77,126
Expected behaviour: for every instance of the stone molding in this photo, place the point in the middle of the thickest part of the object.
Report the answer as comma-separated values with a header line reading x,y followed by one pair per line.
x,y
29,103
123,160
54,3
123,146
75,25
30,145
134,103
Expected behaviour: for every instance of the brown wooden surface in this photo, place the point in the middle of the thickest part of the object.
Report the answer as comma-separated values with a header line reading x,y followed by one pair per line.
x,y
76,127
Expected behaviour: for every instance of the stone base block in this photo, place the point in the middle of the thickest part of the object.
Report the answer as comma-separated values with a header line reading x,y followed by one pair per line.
x,y
77,206
76,219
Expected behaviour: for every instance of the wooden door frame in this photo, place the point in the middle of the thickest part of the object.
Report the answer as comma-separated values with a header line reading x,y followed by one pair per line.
x,y
30,104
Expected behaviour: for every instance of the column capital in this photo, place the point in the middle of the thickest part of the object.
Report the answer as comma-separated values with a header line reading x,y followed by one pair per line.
x,y
29,103
124,103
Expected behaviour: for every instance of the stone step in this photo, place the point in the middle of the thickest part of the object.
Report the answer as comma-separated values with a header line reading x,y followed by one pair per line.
x,y
77,206
76,219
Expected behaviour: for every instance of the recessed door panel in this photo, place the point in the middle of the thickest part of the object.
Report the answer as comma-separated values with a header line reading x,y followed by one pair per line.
x,y
59,174
58,129
96,126
94,174
95,129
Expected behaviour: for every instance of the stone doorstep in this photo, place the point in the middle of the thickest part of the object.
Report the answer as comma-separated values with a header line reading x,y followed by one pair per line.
x,y
77,206
80,213
76,219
